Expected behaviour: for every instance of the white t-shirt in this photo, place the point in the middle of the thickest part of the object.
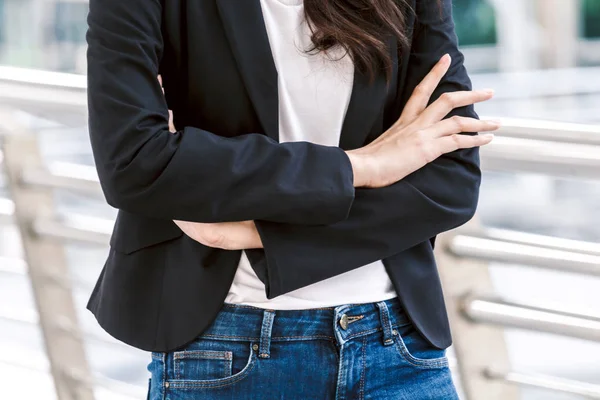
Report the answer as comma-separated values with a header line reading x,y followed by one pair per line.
x,y
314,92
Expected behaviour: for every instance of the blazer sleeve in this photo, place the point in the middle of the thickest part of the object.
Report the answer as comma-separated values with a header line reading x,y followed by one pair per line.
x,y
193,174
385,221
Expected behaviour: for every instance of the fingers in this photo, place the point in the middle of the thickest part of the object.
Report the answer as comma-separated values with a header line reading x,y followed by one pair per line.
x,y
458,124
172,128
450,100
420,97
454,142
161,84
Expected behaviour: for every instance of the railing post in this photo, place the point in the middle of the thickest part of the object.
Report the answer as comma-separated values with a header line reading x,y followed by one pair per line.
x,y
559,21
477,346
46,258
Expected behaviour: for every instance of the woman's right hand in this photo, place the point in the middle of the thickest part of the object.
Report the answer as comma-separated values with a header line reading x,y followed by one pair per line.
x,y
420,135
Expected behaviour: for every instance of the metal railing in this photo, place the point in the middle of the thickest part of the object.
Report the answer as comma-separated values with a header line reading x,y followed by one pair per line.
x,y
43,233
477,315
465,254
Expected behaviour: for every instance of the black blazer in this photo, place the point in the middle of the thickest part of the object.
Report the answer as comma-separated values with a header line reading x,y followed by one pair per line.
x,y
159,289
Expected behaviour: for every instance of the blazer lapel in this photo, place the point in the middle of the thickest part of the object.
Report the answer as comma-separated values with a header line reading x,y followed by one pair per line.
x,y
245,29
367,102
247,35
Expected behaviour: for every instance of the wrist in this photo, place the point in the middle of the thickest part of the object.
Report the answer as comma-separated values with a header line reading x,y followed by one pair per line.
x,y
359,170
254,240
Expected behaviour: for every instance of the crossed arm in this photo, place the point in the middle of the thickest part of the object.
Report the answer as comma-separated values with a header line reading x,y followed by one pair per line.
x,y
311,221
385,221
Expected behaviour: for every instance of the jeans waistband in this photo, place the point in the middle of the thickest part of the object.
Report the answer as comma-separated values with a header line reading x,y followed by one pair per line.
x,y
341,323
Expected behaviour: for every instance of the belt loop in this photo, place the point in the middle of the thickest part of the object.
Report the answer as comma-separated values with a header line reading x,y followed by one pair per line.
x,y
265,334
386,324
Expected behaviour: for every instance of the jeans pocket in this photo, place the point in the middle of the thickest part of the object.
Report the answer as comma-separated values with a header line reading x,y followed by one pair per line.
x,y
205,364
208,364
416,350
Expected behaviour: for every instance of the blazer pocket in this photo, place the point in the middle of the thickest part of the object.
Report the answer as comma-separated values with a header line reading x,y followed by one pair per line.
x,y
134,232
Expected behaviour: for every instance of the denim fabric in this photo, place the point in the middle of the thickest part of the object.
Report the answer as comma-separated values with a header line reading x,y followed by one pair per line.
x,y
364,351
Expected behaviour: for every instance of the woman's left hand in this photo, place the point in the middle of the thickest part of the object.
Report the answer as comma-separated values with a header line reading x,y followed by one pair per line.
x,y
223,235
172,128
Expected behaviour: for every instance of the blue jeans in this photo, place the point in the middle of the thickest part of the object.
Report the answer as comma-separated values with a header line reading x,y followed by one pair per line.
x,y
364,351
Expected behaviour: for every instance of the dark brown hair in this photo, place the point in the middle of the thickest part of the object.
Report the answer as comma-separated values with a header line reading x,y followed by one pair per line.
x,y
360,27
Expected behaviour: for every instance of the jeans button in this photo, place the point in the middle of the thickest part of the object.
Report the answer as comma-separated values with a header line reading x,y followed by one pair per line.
x,y
344,321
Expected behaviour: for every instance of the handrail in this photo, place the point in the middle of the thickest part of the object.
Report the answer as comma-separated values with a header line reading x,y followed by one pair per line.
x,y
553,131
36,87
523,249
550,242
42,78
512,154
497,311
66,176
72,228
542,381
549,147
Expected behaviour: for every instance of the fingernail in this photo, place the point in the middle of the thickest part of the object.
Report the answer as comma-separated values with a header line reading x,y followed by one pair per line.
x,y
489,136
488,90
495,121
446,58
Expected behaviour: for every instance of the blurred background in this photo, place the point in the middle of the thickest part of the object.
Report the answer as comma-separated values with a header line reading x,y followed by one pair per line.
x,y
522,279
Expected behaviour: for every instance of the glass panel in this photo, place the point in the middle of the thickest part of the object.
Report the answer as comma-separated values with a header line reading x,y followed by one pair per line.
x,y
591,18
47,34
2,25
475,22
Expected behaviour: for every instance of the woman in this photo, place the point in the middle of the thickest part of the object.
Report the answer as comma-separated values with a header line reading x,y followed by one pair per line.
x,y
279,244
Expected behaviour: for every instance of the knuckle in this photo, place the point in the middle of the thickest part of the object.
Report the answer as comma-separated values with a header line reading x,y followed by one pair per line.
x,y
424,147
220,241
429,154
447,98
214,238
208,240
458,122
456,140
420,90
420,139
479,140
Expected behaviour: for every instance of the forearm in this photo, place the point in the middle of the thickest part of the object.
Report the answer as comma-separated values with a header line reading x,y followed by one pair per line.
x,y
192,174
224,235
207,178
382,222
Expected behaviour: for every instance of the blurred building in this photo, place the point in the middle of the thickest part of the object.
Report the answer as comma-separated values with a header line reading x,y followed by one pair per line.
x,y
501,35
45,34
514,35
